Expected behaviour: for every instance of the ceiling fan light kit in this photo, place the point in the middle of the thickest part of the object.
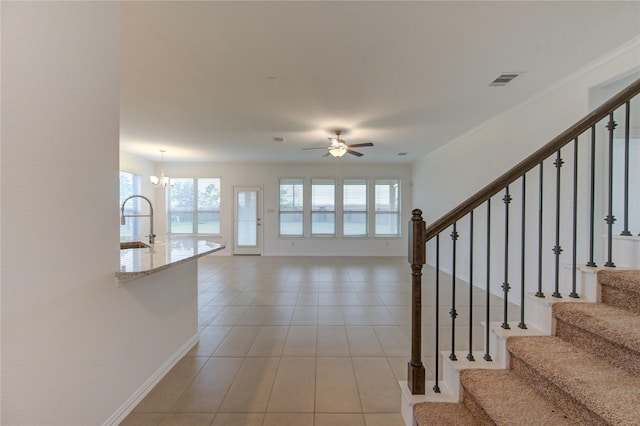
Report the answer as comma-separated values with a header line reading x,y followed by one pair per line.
x,y
339,147
338,151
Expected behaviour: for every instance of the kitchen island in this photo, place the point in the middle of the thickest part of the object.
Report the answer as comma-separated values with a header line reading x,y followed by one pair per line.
x,y
158,287
165,253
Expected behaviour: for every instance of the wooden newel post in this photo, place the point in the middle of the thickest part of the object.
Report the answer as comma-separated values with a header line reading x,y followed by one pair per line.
x,y
417,258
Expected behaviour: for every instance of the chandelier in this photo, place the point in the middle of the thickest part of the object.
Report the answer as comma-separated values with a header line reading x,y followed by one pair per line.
x,y
162,181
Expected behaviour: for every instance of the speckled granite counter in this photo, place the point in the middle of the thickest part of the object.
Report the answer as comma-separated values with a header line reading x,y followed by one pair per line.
x,y
165,253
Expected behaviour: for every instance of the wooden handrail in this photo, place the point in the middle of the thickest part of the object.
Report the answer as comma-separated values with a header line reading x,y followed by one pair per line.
x,y
533,160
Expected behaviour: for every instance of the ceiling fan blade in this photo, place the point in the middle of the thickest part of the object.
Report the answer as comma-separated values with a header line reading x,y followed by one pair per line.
x,y
319,147
326,154
356,145
357,154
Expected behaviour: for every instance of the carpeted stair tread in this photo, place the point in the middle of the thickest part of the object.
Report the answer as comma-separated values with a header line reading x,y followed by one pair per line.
x,y
509,400
443,414
628,280
614,324
610,393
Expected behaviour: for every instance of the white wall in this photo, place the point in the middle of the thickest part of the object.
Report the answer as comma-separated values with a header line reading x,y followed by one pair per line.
x,y
141,166
267,175
74,346
454,172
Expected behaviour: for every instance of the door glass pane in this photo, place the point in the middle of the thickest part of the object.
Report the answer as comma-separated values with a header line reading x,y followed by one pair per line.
x,y
247,207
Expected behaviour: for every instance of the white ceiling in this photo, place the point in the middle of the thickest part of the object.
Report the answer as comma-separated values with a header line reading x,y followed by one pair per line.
x,y
198,77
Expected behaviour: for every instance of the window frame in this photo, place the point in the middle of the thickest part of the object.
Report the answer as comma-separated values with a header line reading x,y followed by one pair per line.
x,y
313,212
133,207
397,212
196,210
301,213
365,212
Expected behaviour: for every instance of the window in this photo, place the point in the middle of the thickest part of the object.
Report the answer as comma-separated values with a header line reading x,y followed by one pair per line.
x,y
291,214
194,206
130,185
387,207
354,208
323,207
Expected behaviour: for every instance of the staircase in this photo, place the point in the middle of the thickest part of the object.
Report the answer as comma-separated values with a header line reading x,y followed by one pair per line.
x,y
588,373
573,355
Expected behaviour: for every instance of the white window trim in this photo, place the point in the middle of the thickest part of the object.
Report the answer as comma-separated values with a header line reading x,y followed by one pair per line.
x,y
336,196
367,210
374,212
195,210
304,207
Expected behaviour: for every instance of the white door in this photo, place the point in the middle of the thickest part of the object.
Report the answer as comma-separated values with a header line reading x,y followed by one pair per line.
x,y
248,229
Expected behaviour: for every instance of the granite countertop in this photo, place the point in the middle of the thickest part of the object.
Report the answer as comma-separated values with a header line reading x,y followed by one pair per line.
x,y
165,253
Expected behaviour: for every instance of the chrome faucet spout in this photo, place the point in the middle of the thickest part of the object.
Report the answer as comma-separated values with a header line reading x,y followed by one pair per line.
x,y
151,235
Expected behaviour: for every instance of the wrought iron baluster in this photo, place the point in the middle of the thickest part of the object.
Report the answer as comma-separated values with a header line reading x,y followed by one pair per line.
x,y
522,324
626,231
452,312
610,219
574,264
592,194
487,328
470,354
539,293
505,285
557,249
436,387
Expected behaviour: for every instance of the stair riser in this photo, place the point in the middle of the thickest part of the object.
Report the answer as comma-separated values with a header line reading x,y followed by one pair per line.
x,y
626,251
617,355
552,392
621,298
480,416
586,283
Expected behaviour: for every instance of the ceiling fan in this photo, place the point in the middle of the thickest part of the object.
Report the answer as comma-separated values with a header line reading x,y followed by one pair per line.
x,y
338,147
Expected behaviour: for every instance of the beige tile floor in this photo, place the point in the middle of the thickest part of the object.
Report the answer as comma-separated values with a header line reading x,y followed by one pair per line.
x,y
301,341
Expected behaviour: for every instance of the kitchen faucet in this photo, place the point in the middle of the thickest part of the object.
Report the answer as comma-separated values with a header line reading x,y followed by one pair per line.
x,y
151,235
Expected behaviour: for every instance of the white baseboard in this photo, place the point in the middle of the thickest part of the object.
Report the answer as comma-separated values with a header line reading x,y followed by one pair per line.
x,y
128,406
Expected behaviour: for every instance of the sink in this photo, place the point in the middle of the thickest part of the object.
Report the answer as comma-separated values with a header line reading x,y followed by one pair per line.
x,y
132,245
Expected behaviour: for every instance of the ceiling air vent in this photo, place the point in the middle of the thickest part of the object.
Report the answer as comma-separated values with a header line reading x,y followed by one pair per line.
x,y
279,139
503,79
